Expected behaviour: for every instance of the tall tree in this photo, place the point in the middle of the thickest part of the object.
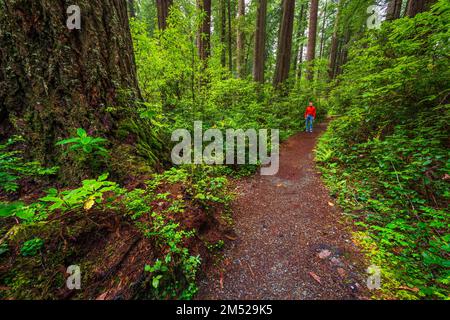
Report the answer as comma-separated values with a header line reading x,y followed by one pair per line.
x,y
54,80
223,32
394,9
204,34
240,41
230,43
285,43
418,6
322,37
163,7
334,44
260,42
301,27
132,8
311,51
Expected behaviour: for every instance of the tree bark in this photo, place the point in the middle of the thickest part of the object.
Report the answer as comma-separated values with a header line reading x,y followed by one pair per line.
x,y
54,80
163,7
260,42
394,9
204,34
285,43
311,51
240,41
334,45
418,6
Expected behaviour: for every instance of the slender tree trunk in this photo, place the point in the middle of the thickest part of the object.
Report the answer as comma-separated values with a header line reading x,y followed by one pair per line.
x,y
230,43
311,51
334,45
394,9
54,80
132,8
285,43
260,42
204,34
163,7
223,23
322,37
300,34
240,41
418,6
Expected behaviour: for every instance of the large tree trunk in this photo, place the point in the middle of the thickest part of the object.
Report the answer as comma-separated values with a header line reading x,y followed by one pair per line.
x,y
285,43
54,80
240,41
163,7
334,45
311,51
204,34
260,42
418,6
394,9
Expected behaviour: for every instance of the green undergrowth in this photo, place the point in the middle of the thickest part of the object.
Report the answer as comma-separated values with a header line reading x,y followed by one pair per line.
x,y
162,209
386,157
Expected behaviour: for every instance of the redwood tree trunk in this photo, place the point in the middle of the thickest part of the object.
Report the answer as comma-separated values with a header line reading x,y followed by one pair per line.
x,y
285,43
163,7
418,6
240,41
260,42
54,80
311,51
204,34
394,9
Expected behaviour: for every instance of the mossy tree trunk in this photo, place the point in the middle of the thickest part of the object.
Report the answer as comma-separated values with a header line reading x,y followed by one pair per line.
x,y
54,80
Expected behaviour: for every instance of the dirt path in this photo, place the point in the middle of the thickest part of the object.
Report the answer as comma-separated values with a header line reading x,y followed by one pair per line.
x,y
291,243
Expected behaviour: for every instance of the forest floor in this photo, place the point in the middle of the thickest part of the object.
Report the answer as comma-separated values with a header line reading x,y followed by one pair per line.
x,y
291,240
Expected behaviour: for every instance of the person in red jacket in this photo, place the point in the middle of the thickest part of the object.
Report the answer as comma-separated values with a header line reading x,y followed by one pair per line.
x,y
310,116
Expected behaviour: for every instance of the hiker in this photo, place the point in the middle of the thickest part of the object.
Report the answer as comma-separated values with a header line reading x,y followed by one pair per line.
x,y
310,116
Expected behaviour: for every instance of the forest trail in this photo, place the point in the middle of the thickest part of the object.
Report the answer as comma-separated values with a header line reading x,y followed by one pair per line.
x,y
291,242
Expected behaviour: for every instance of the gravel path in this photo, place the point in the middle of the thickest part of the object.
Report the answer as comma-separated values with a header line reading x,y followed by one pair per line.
x,y
291,242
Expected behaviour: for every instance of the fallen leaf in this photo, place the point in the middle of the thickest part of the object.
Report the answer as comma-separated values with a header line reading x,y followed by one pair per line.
x,y
315,277
341,272
324,254
409,289
331,204
89,204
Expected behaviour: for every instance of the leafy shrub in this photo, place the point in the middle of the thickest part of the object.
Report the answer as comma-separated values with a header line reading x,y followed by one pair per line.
x,y
13,167
386,158
85,144
31,247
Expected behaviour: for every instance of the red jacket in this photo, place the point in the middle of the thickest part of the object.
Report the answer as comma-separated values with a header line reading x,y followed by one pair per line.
x,y
310,111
